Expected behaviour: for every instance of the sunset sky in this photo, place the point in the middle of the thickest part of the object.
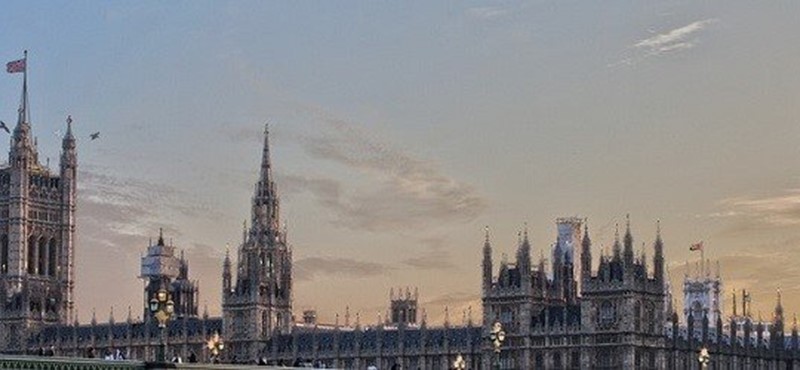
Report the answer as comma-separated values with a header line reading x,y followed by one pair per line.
x,y
400,129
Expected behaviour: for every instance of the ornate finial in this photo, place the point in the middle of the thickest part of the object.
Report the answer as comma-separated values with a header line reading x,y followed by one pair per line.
x,y
658,228
336,320
519,237
446,316
486,232
160,236
616,232
526,230
628,221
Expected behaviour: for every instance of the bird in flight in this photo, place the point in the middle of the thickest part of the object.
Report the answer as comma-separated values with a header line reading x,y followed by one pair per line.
x,y
95,135
4,127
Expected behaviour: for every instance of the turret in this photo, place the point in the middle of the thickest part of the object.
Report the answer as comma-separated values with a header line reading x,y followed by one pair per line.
x,y
226,273
658,258
487,263
524,261
586,254
628,242
617,246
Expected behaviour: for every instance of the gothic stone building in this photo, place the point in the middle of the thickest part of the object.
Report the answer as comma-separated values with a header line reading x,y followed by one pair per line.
x,y
568,315
37,233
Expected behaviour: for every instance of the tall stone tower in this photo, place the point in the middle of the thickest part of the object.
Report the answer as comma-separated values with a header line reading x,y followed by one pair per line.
x,y
625,301
37,235
259,305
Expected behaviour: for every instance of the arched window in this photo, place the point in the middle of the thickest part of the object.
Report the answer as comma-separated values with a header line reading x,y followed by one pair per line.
x,y
32,255
4,254
42,257
53,258
637,316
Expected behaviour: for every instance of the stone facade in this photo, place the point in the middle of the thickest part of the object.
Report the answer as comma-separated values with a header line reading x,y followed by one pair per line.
x,y
37,234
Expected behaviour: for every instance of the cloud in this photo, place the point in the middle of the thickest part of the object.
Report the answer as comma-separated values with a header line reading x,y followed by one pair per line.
x,y
307,269
781,210
486,12
434,258
405,192
678,39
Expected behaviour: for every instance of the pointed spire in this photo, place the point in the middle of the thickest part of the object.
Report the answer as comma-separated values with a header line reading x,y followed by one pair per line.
x,y
111,315
69,140
446,316
161,236
94,316
617,245
658,255
628,240
130,315
586,252
266,162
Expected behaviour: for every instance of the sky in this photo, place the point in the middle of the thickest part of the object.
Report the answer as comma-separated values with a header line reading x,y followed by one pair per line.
x,y
400,129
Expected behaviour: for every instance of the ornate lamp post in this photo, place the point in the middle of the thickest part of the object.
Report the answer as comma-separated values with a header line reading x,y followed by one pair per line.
x,y
704,358
162,307
215,347
497,336
459,363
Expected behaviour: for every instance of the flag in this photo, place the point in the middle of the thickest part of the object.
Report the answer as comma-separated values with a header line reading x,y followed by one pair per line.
x,y
696,246
16,66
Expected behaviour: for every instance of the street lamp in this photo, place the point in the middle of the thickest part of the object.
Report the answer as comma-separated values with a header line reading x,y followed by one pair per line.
x,y
162,307
497,336
215,346
704,358
459,363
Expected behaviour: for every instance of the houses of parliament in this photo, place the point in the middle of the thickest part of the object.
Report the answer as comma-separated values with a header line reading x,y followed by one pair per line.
x,y
569,313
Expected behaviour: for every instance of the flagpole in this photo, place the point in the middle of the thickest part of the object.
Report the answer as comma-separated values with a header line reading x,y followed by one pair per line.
x,y
25,117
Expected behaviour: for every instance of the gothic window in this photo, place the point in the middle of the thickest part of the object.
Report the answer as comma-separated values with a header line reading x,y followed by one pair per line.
x,y
607,314
53,258
32,255
539,361
264,323
650,317
4,254
576,360
42,263
637,316
557,360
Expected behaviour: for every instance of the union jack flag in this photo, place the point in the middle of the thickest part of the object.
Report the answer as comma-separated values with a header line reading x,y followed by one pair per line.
x,y
16,66
696,246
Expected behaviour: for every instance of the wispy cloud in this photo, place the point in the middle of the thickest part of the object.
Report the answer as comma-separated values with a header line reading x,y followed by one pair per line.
x,y
312,267
674,40
404,192
486,12
781,210
435,257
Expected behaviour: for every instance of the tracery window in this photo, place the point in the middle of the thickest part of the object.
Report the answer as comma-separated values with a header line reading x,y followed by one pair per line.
x,y
4,254
52,258
42,260
32,255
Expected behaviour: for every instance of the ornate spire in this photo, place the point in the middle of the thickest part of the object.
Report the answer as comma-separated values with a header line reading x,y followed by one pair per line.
x,y
628,240
617,245
586,252
265,217
160,236
658,257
